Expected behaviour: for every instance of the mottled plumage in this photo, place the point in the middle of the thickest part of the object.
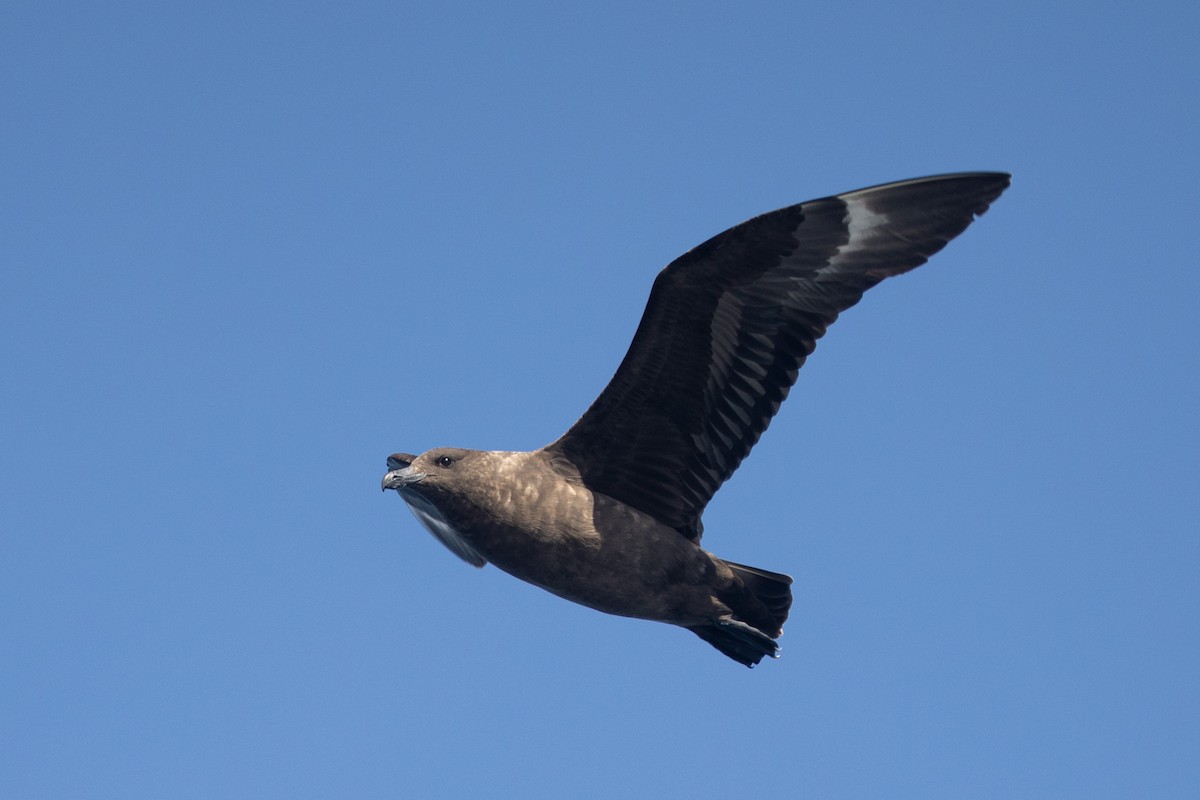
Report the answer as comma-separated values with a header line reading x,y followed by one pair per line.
x,y
609,514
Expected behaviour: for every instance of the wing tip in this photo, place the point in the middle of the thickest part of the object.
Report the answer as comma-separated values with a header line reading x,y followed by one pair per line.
x,y
988,184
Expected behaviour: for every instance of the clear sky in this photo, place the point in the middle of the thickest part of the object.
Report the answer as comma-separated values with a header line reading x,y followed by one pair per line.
x,y
250,249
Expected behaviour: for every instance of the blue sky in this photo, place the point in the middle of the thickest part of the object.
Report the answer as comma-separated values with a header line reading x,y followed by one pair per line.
x,y
251,249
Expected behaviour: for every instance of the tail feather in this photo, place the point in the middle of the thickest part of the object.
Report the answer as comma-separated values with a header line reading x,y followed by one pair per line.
x,y
773,590
739,641
759,611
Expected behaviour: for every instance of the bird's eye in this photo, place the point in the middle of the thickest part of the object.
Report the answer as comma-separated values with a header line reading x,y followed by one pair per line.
x,y
444,461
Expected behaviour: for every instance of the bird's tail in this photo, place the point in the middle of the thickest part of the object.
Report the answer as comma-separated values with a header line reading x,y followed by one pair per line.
x,y
759,611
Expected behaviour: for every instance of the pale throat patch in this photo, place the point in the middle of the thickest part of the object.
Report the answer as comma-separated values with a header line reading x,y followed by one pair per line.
x,y
433,521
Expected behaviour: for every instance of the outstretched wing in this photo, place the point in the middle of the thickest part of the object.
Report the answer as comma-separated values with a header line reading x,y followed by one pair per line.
x,y
730,323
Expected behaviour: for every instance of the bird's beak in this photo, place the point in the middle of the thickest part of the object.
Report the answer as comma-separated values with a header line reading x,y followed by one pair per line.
x,y
401,472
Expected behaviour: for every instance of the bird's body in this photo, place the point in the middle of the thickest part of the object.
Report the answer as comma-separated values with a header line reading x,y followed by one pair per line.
x,y
608,515
532,517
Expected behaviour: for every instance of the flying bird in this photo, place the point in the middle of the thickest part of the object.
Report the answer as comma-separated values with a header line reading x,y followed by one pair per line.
x,y
609,514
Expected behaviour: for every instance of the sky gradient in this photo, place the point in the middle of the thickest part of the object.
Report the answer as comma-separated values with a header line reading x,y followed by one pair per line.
x,y
249,250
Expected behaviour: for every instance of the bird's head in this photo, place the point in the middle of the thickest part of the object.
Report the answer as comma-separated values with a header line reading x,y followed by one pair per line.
x,y
434,485
425,474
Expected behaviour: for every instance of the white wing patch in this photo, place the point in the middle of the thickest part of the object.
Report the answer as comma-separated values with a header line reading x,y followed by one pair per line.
x,y
429,516
862,223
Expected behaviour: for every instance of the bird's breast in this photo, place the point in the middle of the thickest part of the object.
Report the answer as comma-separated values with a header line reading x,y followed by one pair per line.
x,y
593,550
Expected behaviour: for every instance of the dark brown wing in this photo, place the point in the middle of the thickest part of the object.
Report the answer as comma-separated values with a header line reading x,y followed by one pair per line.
x,y
729,324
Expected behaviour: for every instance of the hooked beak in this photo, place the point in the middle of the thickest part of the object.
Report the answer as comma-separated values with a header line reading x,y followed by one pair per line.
x,y
400,472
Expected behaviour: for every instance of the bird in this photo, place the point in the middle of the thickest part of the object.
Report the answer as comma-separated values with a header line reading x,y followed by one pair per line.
x,y
609,514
